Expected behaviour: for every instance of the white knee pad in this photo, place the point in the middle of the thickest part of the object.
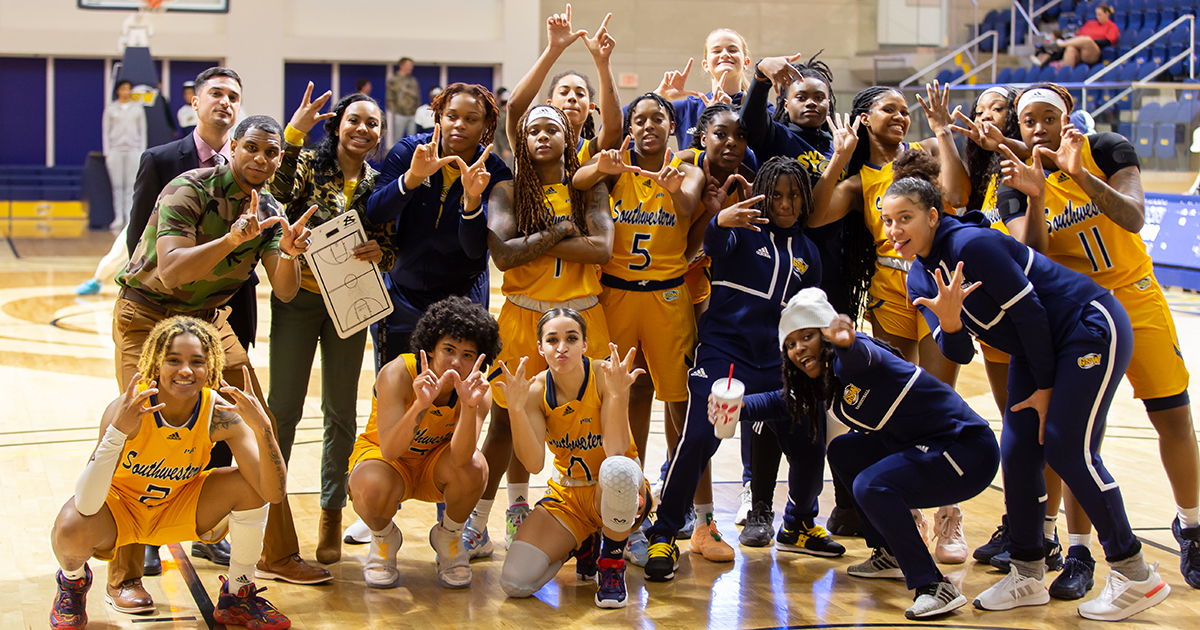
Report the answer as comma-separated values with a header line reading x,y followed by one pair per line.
x,y
526,570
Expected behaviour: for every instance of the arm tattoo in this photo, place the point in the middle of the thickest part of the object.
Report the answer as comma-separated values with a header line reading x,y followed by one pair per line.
x,y
277,460
524,249
223,419
1122,209
599,216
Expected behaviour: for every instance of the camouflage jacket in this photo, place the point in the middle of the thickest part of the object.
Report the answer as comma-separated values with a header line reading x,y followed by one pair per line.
x,y
403,94
200,205
298,184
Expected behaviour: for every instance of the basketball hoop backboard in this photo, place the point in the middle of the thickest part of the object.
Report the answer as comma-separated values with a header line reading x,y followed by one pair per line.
x,y
185,6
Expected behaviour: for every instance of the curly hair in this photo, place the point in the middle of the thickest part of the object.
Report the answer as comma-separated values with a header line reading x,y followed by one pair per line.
x,y
915,177
706,118
491,113
460,319
863,102
982,164
158,343
531,208
588,130
562,312
326,159
768,176
811,69
662,102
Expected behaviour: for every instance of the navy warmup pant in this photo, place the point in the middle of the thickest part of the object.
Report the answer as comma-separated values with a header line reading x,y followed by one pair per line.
x,y
1089,365
699,442
887,484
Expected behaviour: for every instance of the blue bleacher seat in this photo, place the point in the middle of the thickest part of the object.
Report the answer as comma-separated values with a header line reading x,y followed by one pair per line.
x,y
1047,74
1121,6
1168,112
1164,146
1134,22
1017,76
943,77
1125,129
1166,16
1158,53
1062,75
1108,55
1145,69
1150,21
1143,141
1079,73
1149,113
1004,76
1187,111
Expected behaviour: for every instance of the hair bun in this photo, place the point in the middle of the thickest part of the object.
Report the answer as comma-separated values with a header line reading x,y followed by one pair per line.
x,y
918,164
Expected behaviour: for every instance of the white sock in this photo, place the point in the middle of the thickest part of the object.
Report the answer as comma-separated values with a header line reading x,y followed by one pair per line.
x,y
518,493
383,533
1050,527
451,525
1082,540
246,529
1188,517
704,512
77,574
479,516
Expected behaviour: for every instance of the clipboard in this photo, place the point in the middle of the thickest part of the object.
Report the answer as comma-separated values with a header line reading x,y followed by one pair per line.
x,y
352,289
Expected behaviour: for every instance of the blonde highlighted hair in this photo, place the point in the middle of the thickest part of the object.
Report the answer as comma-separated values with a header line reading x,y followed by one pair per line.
x,y
746,72
154,351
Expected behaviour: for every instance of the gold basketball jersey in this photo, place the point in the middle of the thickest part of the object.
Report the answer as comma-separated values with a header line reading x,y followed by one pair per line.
x,y
574,431
649,239
162,458
549,278
436,427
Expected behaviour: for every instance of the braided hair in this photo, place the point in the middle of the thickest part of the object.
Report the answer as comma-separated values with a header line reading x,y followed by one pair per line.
x,y
811,69
982,164
326,159
706,118
769,174
491,113
662,102
863,102
588,130
531,208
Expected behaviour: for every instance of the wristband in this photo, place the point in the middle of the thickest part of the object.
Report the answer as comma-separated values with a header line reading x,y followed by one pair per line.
x,y
400,183
284,255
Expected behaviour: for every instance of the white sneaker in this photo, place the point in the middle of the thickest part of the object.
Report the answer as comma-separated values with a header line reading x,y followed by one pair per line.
x,y
922,525
1013,591
744,505
1123,597
357,534
936,599
453,561
881,564
380,569
951,542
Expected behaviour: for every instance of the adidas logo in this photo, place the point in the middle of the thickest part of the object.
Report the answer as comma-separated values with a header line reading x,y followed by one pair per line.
x,y
174,436
550,190
762,251
922,448
647,183
699,373
568,411
435,412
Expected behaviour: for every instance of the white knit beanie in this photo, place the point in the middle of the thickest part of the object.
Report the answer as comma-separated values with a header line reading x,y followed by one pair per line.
x,y
807,309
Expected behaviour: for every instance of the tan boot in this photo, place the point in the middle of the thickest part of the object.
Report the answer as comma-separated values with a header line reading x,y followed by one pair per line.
x,y
329,537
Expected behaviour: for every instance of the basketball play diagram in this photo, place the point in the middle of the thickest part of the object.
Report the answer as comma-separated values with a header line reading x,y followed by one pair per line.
x,y
353,289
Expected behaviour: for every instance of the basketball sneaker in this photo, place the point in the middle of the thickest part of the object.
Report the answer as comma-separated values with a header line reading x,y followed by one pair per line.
x,y
951,545
246,608
612,593
1123,598
844,522
1189,552
357,534
638,551
760,527
881,565
935,599
1053,550
707,541
70,605
585,558
380,569
689,524
453,562
1077,577
810,538
1013,591
663,560
922,525
88,287
997,545
513,517
478,544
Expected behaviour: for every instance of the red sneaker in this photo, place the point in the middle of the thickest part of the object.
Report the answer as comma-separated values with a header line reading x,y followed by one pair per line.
x,y
70,605
247,609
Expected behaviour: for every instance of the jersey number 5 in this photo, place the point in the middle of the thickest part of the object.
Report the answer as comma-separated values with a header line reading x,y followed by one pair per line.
x,y
639,250
153,494
1087,249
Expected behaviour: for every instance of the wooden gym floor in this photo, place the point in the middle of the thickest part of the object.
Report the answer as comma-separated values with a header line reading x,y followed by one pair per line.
x,y
56,376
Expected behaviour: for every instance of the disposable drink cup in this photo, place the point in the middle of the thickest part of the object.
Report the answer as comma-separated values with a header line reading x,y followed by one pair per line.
x,y
727,406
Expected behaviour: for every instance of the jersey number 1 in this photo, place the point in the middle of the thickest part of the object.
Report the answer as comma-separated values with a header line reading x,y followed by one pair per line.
x,y
1087,249
638,250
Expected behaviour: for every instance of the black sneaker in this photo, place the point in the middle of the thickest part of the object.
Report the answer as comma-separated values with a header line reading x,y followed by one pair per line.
x,y
664,559
1053,557
844,522
1189,552
759,530
809,538
1077,576
586,557
996,546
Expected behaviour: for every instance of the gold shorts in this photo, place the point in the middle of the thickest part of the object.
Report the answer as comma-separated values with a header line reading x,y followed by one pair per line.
x,y
169,522
663,324
416,472
1156,369
518,330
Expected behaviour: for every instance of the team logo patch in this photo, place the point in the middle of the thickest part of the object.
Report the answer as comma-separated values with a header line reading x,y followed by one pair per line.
x,y
851,394
671,295
799,265
1143,284
1089,361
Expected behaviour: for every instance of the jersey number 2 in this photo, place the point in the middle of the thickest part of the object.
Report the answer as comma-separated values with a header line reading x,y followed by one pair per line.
x,y
1087,249
152,494
638,250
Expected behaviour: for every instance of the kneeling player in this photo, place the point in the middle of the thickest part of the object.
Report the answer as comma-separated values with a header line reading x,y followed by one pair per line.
x,y
146,481
421,438
580,408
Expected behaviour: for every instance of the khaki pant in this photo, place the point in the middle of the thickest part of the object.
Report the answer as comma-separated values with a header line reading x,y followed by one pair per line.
x,y
132,323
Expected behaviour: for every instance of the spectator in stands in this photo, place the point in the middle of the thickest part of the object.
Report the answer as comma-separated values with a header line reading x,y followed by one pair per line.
x,y
424,117
1086,44
403,99
186,116
362,86
503,146
124,140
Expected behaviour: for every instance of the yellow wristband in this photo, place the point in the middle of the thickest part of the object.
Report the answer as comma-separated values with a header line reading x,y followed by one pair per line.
x,y
292,135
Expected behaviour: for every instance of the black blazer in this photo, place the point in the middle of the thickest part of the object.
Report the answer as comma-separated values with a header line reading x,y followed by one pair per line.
x,y
160,165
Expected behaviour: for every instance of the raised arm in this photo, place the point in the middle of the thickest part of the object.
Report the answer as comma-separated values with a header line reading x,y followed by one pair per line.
x,y
760,129
559,37
601,46
474,400
240,422
508,247
833,199
595,247
1121,198
615,377
293,241
402,403
290,177
954,178
604,168
1021,200
121,421
526,420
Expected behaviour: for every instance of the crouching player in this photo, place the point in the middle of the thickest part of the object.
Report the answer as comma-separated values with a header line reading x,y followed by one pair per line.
x,y
580,408
420,442
146,481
